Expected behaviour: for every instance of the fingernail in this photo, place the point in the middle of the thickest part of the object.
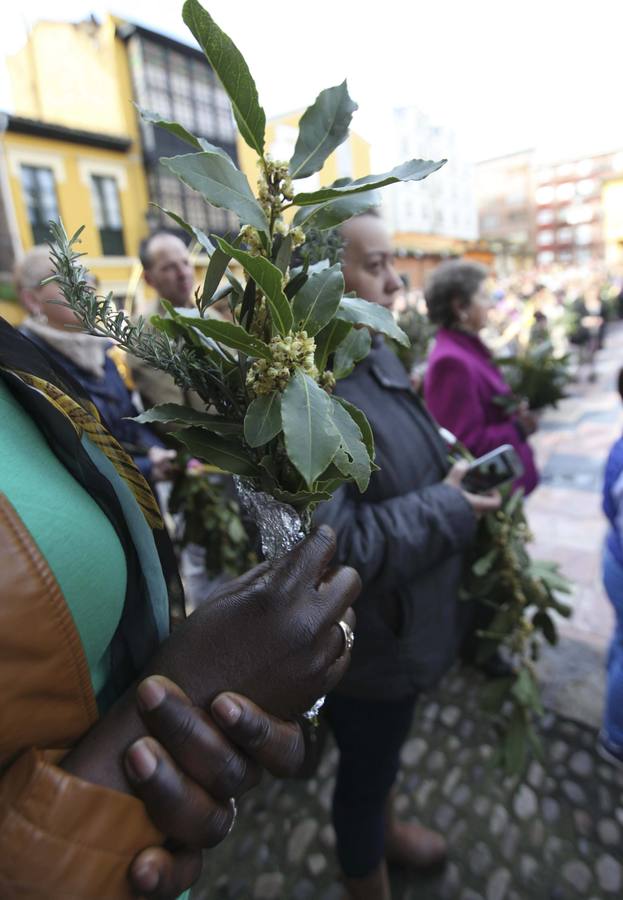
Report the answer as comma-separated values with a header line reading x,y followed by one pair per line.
x,y
227,709
142,761
150,694
147,876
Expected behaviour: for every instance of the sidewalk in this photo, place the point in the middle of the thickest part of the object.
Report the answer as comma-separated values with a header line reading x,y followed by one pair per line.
x,y
558,834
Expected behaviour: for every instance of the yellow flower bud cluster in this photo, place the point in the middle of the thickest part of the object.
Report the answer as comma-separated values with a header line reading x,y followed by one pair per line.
x,y
274,185
294,351
327,381
298,237
251,237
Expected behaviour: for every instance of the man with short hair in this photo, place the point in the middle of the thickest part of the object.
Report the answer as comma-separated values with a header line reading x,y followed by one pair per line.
x,y
167,267
169,270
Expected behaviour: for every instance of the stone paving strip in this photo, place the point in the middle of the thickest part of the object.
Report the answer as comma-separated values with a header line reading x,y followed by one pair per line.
x,y
554,834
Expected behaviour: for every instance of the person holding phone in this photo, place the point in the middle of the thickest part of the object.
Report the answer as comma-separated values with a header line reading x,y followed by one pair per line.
x,y
406,535
463,383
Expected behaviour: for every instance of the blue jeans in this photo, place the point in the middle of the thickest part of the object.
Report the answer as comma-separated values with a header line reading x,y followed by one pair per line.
x,y
613,714
369,735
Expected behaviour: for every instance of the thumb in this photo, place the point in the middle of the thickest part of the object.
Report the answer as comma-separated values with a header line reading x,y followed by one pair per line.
x,y
457,473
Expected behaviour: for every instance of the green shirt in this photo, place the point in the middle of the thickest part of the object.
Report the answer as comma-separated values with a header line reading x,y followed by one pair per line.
x,y
74,535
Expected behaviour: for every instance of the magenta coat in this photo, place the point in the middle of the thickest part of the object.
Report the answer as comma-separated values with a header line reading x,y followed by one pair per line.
x,y
460,386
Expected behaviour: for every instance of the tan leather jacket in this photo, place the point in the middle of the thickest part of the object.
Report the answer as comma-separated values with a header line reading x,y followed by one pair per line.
x,y
60,837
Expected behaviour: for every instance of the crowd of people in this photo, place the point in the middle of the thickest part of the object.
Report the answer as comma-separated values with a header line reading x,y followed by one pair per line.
x,y
125,741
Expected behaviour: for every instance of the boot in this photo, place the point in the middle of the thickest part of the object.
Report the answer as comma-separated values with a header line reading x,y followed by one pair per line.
x,y
411,845
414,846
374,886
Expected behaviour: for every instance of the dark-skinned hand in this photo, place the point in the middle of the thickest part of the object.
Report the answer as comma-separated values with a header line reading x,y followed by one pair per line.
x,y
190,799
271,635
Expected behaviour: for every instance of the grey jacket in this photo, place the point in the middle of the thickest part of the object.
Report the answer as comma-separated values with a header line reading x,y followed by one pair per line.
x,y
405,536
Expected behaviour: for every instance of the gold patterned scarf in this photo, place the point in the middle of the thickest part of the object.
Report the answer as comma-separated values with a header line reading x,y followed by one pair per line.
x,y
86,420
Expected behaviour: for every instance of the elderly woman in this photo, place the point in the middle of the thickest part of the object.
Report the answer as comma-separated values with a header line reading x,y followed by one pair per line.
x,y
462,381
52,327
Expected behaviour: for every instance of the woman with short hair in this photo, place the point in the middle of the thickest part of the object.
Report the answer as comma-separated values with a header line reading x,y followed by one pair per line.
x,y
463,385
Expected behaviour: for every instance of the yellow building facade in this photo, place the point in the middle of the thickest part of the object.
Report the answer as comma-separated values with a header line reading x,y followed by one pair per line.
x,y
85,179
350,160
76,153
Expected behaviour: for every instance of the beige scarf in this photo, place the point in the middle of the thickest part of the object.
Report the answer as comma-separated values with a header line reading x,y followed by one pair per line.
x,y
85,350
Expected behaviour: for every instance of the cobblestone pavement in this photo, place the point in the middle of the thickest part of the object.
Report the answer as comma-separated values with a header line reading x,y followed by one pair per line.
x,y
555,835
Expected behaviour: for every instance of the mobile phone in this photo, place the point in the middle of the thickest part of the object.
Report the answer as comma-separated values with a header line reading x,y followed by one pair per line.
x,y
493,470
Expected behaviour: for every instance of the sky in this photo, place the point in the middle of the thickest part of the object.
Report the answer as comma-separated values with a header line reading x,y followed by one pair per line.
x,y
506,76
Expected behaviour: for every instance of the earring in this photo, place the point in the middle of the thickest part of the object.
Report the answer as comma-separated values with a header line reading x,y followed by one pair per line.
x,y
40,317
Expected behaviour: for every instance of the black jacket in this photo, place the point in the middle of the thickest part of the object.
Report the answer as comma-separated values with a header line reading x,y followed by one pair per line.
x,y
405,536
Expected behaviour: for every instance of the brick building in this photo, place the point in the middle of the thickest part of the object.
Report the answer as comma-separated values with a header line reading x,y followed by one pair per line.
x,y
569,208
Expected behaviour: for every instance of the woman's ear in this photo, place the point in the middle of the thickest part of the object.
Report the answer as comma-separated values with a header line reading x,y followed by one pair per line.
x,y
458,309
29,301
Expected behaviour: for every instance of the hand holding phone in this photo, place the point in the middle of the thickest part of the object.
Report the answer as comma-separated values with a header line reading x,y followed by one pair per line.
x,y
481,504
492,470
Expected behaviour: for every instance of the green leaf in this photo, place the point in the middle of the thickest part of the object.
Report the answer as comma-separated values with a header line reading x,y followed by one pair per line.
x,y
563,609
361,420
545,624
328,339
413,170
549,574
514,503
484,565
357,463
232,335
317,301
354,347
284,253
526,691
295,284
301,499
219,181
225,453
174,329
310,437
214,275
177,414
183,327
233,72
263,419
179,131
360,312
334,212
268,279
323,127
199,235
